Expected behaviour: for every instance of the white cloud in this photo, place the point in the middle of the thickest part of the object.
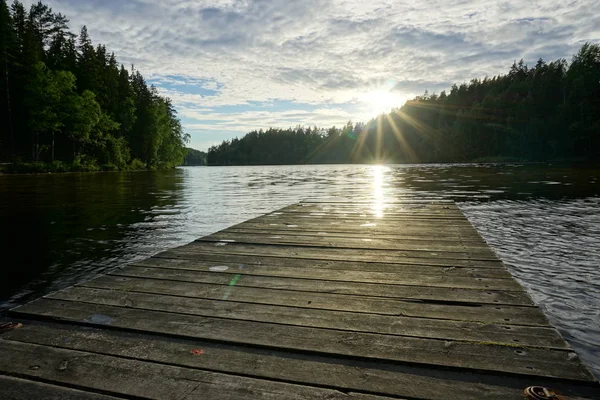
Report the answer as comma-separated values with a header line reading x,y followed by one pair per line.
x,y
324,52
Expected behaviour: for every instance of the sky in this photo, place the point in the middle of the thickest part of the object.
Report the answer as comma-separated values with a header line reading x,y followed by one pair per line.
x,y
232,66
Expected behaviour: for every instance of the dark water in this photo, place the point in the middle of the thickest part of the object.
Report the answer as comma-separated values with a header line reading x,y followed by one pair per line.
x,y
543,221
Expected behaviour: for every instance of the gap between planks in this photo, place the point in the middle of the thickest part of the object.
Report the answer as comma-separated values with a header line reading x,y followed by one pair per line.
x,y
559,364
330,372
444,295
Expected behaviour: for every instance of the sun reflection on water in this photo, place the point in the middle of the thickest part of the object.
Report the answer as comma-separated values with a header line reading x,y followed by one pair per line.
x,y
378,173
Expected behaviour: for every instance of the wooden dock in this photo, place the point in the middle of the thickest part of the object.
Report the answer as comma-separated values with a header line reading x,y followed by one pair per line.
x,y
317,300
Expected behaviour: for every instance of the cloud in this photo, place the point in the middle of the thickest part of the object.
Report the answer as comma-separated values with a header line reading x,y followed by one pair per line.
x,y
331,57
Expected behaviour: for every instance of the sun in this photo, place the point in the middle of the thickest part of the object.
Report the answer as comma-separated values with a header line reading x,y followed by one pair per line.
x,y
382,101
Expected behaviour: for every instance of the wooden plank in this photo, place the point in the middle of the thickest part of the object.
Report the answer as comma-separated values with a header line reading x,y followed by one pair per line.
x,y
422,293
400,277
400,222
145,379
398,200
206,260
456,219
21,389
355,216
374,214
370,208
530,336
322,253
373,228
413,240
518,315
364,223
560,364
414,206
340,374
379,214
371,242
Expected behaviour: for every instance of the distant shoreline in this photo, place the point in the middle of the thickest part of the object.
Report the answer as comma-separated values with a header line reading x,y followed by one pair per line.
x,y
41,168
36,171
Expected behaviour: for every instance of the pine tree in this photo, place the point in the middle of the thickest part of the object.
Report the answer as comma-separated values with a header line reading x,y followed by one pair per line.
x,y
93,117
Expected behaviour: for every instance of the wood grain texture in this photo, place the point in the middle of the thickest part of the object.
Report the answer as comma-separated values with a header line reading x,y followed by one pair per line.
x,y
441,295
366,242
394,276
530,336
147,380
426,232
477,356
474,242
22,389
336,373
321,300
459,259
208,259
518,315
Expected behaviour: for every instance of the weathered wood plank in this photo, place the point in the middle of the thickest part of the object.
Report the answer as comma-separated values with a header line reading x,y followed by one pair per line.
x,y
306,317
476,242
206,260
398,200
479,356
423,293
423,232
446,224
384,212
370,210
518,315
323,253
403,205
21,389
453,219
370,242
400,277
145,379
341,374
358,216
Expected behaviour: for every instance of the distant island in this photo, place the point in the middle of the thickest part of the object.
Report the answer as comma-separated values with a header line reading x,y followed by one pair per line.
x,y
66,105
550,111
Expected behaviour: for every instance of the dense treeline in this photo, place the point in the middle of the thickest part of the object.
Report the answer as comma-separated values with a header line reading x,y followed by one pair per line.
x,y
550,111
62,100
194,157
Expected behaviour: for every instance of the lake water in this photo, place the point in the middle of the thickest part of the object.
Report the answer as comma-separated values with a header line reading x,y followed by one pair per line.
x,y
542,220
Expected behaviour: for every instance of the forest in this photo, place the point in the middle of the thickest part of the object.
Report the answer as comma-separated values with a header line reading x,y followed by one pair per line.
x,y
549,111
194,157
67,105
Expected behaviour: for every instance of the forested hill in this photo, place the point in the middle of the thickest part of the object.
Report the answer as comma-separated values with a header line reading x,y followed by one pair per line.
x,y
64,99
550,111
194,157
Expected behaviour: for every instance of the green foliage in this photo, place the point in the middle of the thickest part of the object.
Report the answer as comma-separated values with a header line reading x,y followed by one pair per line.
x,y
84,163
109,167
547,112
37,167
137,164
194,157
63,99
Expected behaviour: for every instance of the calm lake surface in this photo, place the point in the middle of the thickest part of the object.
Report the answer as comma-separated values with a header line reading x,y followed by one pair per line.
x,y
542,220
